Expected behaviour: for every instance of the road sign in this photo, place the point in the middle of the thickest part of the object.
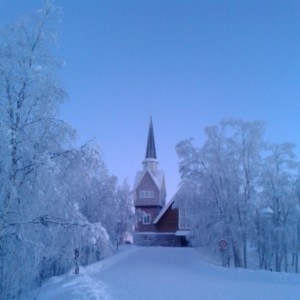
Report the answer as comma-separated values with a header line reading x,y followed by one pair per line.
x,y
222,244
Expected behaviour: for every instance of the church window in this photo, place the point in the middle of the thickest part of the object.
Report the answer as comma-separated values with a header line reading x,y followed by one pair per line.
x,y
146,194
147,219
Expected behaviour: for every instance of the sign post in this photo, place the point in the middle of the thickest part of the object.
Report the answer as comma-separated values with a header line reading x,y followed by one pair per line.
x,y
222,247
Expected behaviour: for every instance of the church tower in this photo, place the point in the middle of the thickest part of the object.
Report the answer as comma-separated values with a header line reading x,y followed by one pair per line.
x,y
149,188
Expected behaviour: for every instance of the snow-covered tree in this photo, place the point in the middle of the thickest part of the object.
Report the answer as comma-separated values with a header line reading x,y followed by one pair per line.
x,y
244,191
278,195
30,137
223,175
99,196
43,179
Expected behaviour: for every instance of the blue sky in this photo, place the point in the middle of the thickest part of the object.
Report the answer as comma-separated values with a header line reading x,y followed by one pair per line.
x,y
187,63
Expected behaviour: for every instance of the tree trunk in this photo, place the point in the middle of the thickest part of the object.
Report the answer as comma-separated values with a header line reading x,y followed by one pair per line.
x,y
245,248
76,252
236,255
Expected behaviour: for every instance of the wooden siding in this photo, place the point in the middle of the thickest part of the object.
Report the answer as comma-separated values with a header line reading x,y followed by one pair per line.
x,y
147,184
169,221
153,211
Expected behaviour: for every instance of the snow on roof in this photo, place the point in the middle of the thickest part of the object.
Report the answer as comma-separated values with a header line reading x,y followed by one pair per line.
x,y
158,178
182,232
138,178
162,212
153,233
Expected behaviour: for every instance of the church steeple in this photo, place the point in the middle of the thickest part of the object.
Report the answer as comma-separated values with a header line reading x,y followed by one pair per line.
x,y
150,162
150,150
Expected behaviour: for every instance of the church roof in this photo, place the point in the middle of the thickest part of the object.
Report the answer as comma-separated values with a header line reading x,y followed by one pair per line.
x,y
163,211
150,150
158,178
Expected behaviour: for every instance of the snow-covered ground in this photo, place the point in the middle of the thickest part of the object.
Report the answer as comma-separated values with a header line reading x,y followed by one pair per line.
x,y
144,273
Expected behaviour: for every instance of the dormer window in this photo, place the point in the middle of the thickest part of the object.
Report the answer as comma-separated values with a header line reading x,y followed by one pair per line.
x,y
146,194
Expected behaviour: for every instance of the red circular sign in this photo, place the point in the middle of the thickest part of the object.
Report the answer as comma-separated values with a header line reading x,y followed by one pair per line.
x,y
222,244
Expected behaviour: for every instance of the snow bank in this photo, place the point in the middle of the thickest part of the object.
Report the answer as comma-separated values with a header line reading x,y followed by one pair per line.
x,y
85,286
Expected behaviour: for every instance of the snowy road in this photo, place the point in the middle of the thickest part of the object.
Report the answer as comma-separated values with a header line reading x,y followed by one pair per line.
x,y
170,273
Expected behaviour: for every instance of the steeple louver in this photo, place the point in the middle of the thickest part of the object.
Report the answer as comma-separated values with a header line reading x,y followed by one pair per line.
x,y
151,151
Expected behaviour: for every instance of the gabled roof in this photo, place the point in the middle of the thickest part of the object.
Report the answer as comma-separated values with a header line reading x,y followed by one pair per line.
x,y
163,211
158,178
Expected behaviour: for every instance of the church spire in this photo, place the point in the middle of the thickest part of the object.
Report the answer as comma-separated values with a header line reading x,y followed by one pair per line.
x,y
150,150
150,162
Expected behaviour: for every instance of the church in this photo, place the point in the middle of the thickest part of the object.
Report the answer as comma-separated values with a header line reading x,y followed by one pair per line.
x,y
158,222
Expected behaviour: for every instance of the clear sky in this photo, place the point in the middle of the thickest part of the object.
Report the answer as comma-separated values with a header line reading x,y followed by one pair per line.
x,y
188,63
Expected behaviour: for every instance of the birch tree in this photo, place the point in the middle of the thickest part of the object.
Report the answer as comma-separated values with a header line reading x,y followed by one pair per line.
x,y
225,171
55,200
40,225
29,93
278,194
